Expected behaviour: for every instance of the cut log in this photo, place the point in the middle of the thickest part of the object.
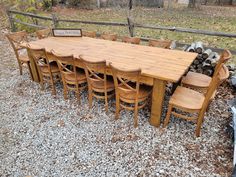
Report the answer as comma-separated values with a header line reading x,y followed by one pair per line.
x,y
199,47
199,65
185,48
208,72
206,53
212,55
192,48
199,70
217,57
199,57
196,62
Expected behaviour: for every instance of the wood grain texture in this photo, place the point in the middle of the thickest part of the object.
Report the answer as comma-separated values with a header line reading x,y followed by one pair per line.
x,y
163,64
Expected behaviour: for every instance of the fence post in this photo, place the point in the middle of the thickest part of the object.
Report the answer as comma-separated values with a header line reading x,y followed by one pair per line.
x,y
131,27
12,24
55,21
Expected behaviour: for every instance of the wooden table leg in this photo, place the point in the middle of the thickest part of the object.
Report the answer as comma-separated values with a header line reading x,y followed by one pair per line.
x,y
158,94
33,68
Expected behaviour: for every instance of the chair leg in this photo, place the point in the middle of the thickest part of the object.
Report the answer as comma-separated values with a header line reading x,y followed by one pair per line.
x,y
117,107
199,123
90,97
20,67
78,92
30,71
167,119
53,86
42,84
65,91
136,115
106,102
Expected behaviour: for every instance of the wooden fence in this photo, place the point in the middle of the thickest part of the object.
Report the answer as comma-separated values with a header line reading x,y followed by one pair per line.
x,y
55,21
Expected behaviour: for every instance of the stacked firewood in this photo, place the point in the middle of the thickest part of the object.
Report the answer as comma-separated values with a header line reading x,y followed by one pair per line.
x,y
205,61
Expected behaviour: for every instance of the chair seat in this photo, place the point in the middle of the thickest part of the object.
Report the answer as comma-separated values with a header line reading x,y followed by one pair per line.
x,y
24,58
196,80
187,98
53,66
81,77
100,85
144,92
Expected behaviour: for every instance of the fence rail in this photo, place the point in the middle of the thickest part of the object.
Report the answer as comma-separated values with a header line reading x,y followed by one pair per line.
x,y
55,21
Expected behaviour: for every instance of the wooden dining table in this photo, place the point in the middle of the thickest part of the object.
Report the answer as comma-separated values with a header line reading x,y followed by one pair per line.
x,y
158,65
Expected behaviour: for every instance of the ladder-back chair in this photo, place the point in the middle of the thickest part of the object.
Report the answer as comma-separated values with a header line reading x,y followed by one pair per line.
x,y
99,85
201,82
166,44
44,33
91,34
193,102
131,40
110,37
16,39
73,78
48,72
130,94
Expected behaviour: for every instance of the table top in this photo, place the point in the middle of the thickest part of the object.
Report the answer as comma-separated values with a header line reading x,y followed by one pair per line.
x,y
163,64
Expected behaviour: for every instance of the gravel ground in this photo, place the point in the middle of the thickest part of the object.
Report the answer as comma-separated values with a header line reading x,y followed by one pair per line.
x,y
44,135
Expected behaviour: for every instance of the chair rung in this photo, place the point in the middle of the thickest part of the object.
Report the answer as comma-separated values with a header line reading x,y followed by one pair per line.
x,y
183,116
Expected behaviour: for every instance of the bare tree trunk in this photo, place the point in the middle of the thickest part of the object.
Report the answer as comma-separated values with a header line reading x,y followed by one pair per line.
x,y
192,4
98,3
169,4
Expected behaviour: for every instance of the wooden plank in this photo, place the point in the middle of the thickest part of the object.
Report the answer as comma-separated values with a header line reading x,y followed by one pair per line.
x,y
30,15
185,30
28,24
94,23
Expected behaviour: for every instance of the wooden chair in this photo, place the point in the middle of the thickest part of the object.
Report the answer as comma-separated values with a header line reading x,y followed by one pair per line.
x,y
110,37
73,78
130,94
15,40
201,82
91,34
99,85
166,44
44,33
48,72
191,101
131,40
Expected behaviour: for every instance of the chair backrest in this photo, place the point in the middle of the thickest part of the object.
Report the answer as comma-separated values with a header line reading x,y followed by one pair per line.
x,y
224,57
16,39
218,79
131,40
93,70
166,44
65,63
91,34
44,33
110,37
127,81
40,57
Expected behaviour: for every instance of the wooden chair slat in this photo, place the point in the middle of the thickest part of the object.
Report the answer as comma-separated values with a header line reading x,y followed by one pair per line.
x,y
166,44
44,33
131,40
